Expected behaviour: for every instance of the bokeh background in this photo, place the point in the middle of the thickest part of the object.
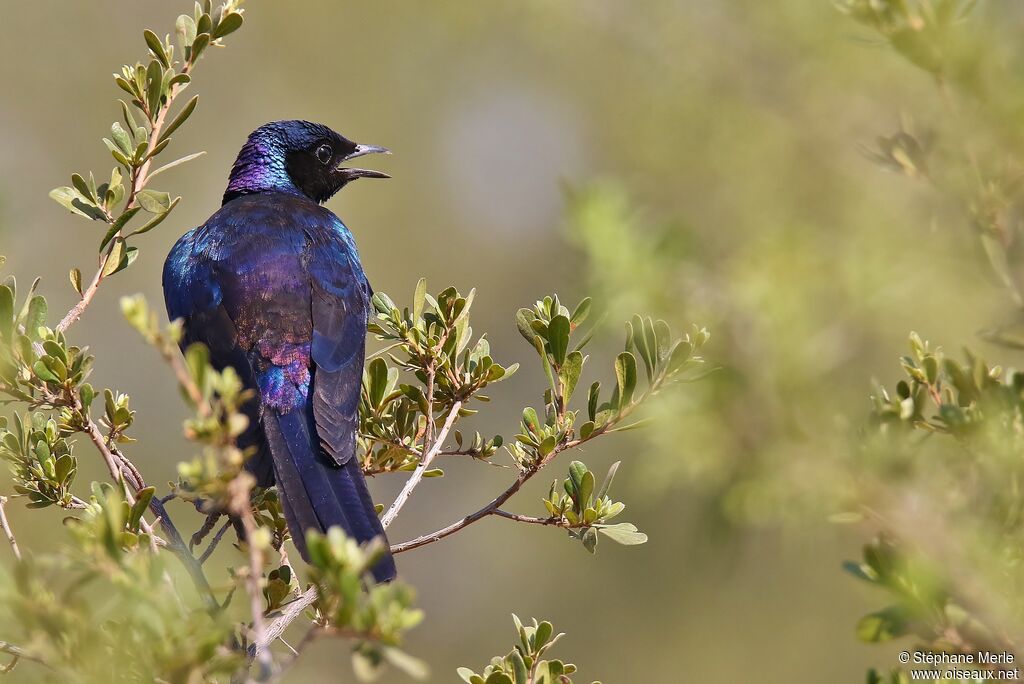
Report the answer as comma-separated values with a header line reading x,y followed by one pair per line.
x,y
701,162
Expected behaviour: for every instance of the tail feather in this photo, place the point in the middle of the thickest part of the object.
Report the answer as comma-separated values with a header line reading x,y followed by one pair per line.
x,y
315,492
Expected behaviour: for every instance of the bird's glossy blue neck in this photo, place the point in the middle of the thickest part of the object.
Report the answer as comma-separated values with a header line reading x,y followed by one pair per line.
x,y
260,167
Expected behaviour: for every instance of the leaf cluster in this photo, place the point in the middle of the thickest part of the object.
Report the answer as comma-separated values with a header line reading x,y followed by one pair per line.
x,y
104,608
525,663
40,458
432,345
586,512
550,328
375,616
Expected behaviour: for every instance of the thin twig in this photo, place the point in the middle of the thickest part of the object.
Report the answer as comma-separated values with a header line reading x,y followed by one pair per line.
x,y
260,639
554,522
19,654
424,464
494,506
214,542
279,625
7,529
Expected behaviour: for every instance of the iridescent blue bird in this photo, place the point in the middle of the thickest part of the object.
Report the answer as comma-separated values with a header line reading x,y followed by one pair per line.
x,y
273,285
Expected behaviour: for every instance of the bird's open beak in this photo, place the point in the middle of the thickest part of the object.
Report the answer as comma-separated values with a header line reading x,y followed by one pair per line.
x,y
362,150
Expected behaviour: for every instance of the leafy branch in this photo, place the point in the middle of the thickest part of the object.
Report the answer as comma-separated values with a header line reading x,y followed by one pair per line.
x,y
152,90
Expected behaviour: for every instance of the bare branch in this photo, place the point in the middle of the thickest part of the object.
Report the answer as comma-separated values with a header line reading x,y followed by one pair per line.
x,y
6,526
493,508
554,522
424,464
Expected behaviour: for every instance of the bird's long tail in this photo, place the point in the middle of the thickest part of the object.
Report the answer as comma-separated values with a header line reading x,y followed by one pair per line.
x,y
316,493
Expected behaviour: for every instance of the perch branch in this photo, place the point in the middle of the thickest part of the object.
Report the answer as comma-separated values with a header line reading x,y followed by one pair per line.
x,y
424,464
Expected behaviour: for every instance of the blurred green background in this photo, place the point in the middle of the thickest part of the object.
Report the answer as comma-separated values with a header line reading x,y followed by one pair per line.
x,y
696,161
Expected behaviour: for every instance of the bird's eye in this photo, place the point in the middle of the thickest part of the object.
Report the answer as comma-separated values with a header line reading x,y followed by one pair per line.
x,y
324,153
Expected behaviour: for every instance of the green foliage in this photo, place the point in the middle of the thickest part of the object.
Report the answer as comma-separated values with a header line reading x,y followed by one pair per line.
x,y
374,615
106,609
432,344
144,134
37,365
40,458
525,664
586,512
549,327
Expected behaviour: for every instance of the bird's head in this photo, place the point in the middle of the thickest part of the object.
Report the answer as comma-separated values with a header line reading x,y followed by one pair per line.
x,y
298,157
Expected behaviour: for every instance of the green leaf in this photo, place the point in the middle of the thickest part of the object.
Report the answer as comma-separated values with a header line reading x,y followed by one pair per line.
x,y
119,156
142,500
544,632
607,484
531,421
154,86
623,533
558,338
400,660
198,45
592,400
570,374
499,678
176,162
156,220
181,117
82,187
581,312
524,323
6,311
625,376
576,472
228,24
114,257
36,316
76,203
590,540
884,625
377,375
519,670
156,47
586,489
118,224
419,297
185,28
122,139
154,201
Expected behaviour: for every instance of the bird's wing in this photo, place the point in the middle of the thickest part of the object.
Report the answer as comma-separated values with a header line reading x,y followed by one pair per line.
x,y
339,307
193,293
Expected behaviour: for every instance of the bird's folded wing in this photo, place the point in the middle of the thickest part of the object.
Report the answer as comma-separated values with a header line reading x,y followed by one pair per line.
x,y
339,311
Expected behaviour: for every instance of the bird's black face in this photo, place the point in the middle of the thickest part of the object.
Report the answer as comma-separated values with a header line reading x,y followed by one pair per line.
x,y
318,168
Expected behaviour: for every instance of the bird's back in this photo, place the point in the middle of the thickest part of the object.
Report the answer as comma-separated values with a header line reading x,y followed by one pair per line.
x,y
272,284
